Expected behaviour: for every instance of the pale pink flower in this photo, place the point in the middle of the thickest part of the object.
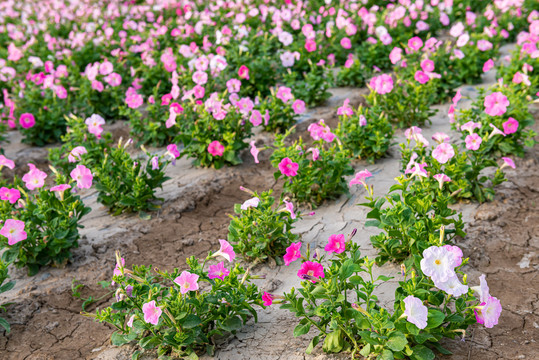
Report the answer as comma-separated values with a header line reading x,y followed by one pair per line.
x,y
216,148
315,152
453,286
218,271
293,252
83,176
470,126
4,161
312,270
34,178
233,85
75,154
288,167
94,124
382,84
362,120
443,153
395,55
130,321
484,45
253,202
496,104
438,263
508,162
226,251
441,178
60,188
360,178
98,86
152,313
473,142
11,195
254,151
457,97
256,118
284,93
13,230
336,244
134,100
495,131
482,290
345,109
419,170
290,208
187,282
457,252
510,126
415,312
440,137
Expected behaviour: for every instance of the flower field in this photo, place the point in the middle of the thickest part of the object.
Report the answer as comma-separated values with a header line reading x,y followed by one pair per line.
x,y
269,179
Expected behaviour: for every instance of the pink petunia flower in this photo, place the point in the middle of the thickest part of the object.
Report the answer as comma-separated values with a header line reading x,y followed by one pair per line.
x,y
35,178
288,167
415,312
311,270
489,312
187,282
172,149
443,153
336,244
496,104
267,298
510,126
218,271
4,161
457,97
290,208
13,230
152,313
453,286
27,120
298,106
441,178
473,142
457,252
310,45
489,64
11,195
293,252
395,55
382,84
83,176
421,77
253,202
427,65
360,178
243,72
60,188
508,162
216,148
94,124
415,43
226,251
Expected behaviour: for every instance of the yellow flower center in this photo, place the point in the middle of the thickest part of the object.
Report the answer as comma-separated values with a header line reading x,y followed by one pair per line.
x,y
437,262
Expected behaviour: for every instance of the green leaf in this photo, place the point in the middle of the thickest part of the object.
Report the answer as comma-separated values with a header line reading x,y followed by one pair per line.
x,y
435,318
5,325
191,321
302,329
333,343
366,350
397,341
386,355
118,339
149,342
421,352
232,324
312,344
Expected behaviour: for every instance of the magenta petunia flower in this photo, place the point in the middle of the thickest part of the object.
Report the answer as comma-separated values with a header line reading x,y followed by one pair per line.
x,y
496,104
35,178
172,149
443,152
489,312
293,252
27,120
382,84
13,230
152,313
346,43
267,298
256,118
457,97
336,244
187,282
284,93
218,271
311,269
473,142
345,109
83,176
243,72
226,251
60,188
310,45
415,43
361,177
510,126
489,64
11,195
415,312
216,148
427,65
288,167
438,263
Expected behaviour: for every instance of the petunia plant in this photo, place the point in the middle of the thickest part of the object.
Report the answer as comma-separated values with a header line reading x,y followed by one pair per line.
x,y
338,299
366,132
262,228
40,224
312,174
4,286
180,312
